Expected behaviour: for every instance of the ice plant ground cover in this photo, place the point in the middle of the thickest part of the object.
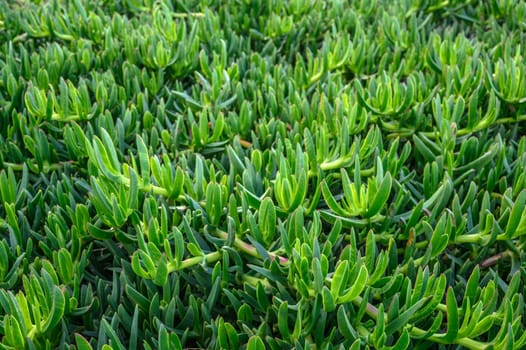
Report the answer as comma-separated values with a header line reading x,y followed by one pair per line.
x,y
262,174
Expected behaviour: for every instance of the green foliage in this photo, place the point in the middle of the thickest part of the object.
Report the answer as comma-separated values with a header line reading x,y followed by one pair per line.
x,y
300,174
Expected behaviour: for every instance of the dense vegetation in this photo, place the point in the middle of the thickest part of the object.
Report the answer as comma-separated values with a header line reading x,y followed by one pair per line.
x,y
262,174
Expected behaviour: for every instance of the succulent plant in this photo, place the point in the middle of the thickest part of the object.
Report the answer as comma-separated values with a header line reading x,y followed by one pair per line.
x,y
262,174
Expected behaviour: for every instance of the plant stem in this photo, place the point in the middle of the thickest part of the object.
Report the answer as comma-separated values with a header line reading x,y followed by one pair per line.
x,y
464,132
190,14
196,260
335,164
59,118
473,238
161,191
14,166
461,132
250,249
46,167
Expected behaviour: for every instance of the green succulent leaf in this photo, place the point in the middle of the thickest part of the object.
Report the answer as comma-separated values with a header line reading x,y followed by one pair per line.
x,y
382,194
82,343
267,220
255,343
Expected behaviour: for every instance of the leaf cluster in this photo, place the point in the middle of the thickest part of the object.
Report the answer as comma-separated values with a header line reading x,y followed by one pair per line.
x,y
262,174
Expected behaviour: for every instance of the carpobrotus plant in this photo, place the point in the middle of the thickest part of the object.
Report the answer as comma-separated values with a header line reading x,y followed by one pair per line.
x,y
262,174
